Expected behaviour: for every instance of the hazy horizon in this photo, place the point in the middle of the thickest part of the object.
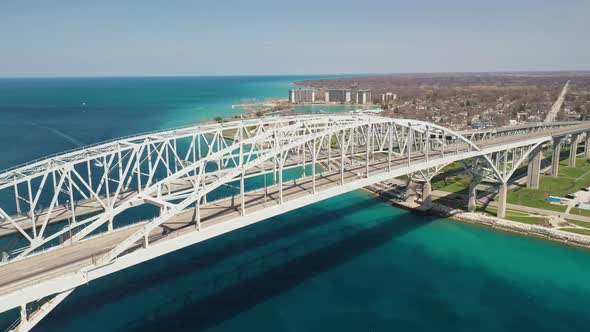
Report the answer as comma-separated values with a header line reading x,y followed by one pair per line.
x,y
441,73
265,38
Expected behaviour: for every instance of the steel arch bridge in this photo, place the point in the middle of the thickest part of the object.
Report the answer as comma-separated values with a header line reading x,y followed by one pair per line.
x,y
77,216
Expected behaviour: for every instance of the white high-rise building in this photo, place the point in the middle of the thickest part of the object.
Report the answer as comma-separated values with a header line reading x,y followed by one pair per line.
x,y
299,96
363,96
339,96
387,97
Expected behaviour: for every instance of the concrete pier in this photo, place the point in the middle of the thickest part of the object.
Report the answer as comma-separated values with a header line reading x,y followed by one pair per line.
x,y
411,192
502,195
427,194
587,145
573,151
556,149
534,169
472,203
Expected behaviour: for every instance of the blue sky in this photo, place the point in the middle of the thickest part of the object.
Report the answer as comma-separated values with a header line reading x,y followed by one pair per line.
x,y
230,37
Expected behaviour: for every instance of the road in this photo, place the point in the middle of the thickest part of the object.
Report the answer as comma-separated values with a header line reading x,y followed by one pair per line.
x,y
557,105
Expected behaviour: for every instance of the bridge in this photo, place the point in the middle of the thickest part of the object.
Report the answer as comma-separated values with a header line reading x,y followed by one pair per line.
x,y
71,218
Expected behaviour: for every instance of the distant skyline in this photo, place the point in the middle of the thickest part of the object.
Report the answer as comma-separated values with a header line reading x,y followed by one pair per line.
x,y
304,37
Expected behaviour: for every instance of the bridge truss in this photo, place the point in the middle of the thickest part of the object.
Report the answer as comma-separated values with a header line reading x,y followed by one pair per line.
x,y
140,197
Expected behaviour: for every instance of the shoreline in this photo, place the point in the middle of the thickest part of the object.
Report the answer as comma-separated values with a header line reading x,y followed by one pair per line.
x,y
439,210
533,231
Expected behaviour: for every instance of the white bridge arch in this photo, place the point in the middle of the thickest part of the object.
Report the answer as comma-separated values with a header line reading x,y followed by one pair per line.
x,y
189,184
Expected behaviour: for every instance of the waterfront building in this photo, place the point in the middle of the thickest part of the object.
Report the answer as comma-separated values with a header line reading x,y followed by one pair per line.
x,y
387,97
363,96
298,96
339,95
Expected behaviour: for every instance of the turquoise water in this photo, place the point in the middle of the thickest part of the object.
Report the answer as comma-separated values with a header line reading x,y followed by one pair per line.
x,y
326,109
51,115
352,263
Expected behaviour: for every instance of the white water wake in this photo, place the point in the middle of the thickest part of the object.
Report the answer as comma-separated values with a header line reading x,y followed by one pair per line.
x,y
61,134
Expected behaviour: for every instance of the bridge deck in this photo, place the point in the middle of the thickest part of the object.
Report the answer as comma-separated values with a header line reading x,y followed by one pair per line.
x,y
92,205
72,258
46,265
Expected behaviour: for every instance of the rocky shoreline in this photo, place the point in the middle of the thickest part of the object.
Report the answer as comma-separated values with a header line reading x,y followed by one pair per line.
x,y
476,218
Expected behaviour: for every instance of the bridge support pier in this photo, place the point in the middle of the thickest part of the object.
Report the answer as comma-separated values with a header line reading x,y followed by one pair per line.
x,y
556,149
587,145
534,169
24,316
411,192
427,194
573,151
503,193
472,200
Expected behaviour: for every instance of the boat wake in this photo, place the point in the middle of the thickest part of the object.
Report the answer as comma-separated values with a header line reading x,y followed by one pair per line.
x,y
61,134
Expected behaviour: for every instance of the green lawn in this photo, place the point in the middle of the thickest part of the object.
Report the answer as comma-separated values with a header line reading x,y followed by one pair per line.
x,y
527,220
580,212
455,187
512,215
557,185
569,180
573,172
494,210
451,203
452,183
453,168
579,223
533,198
564,157
577,230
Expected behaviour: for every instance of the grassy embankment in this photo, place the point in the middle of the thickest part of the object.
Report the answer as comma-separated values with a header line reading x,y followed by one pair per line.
x,y
582,231
453,179
512,215
569,180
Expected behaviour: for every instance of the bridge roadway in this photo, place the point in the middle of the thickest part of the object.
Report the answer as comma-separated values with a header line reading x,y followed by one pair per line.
x,y
43,266
39,267
91,205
